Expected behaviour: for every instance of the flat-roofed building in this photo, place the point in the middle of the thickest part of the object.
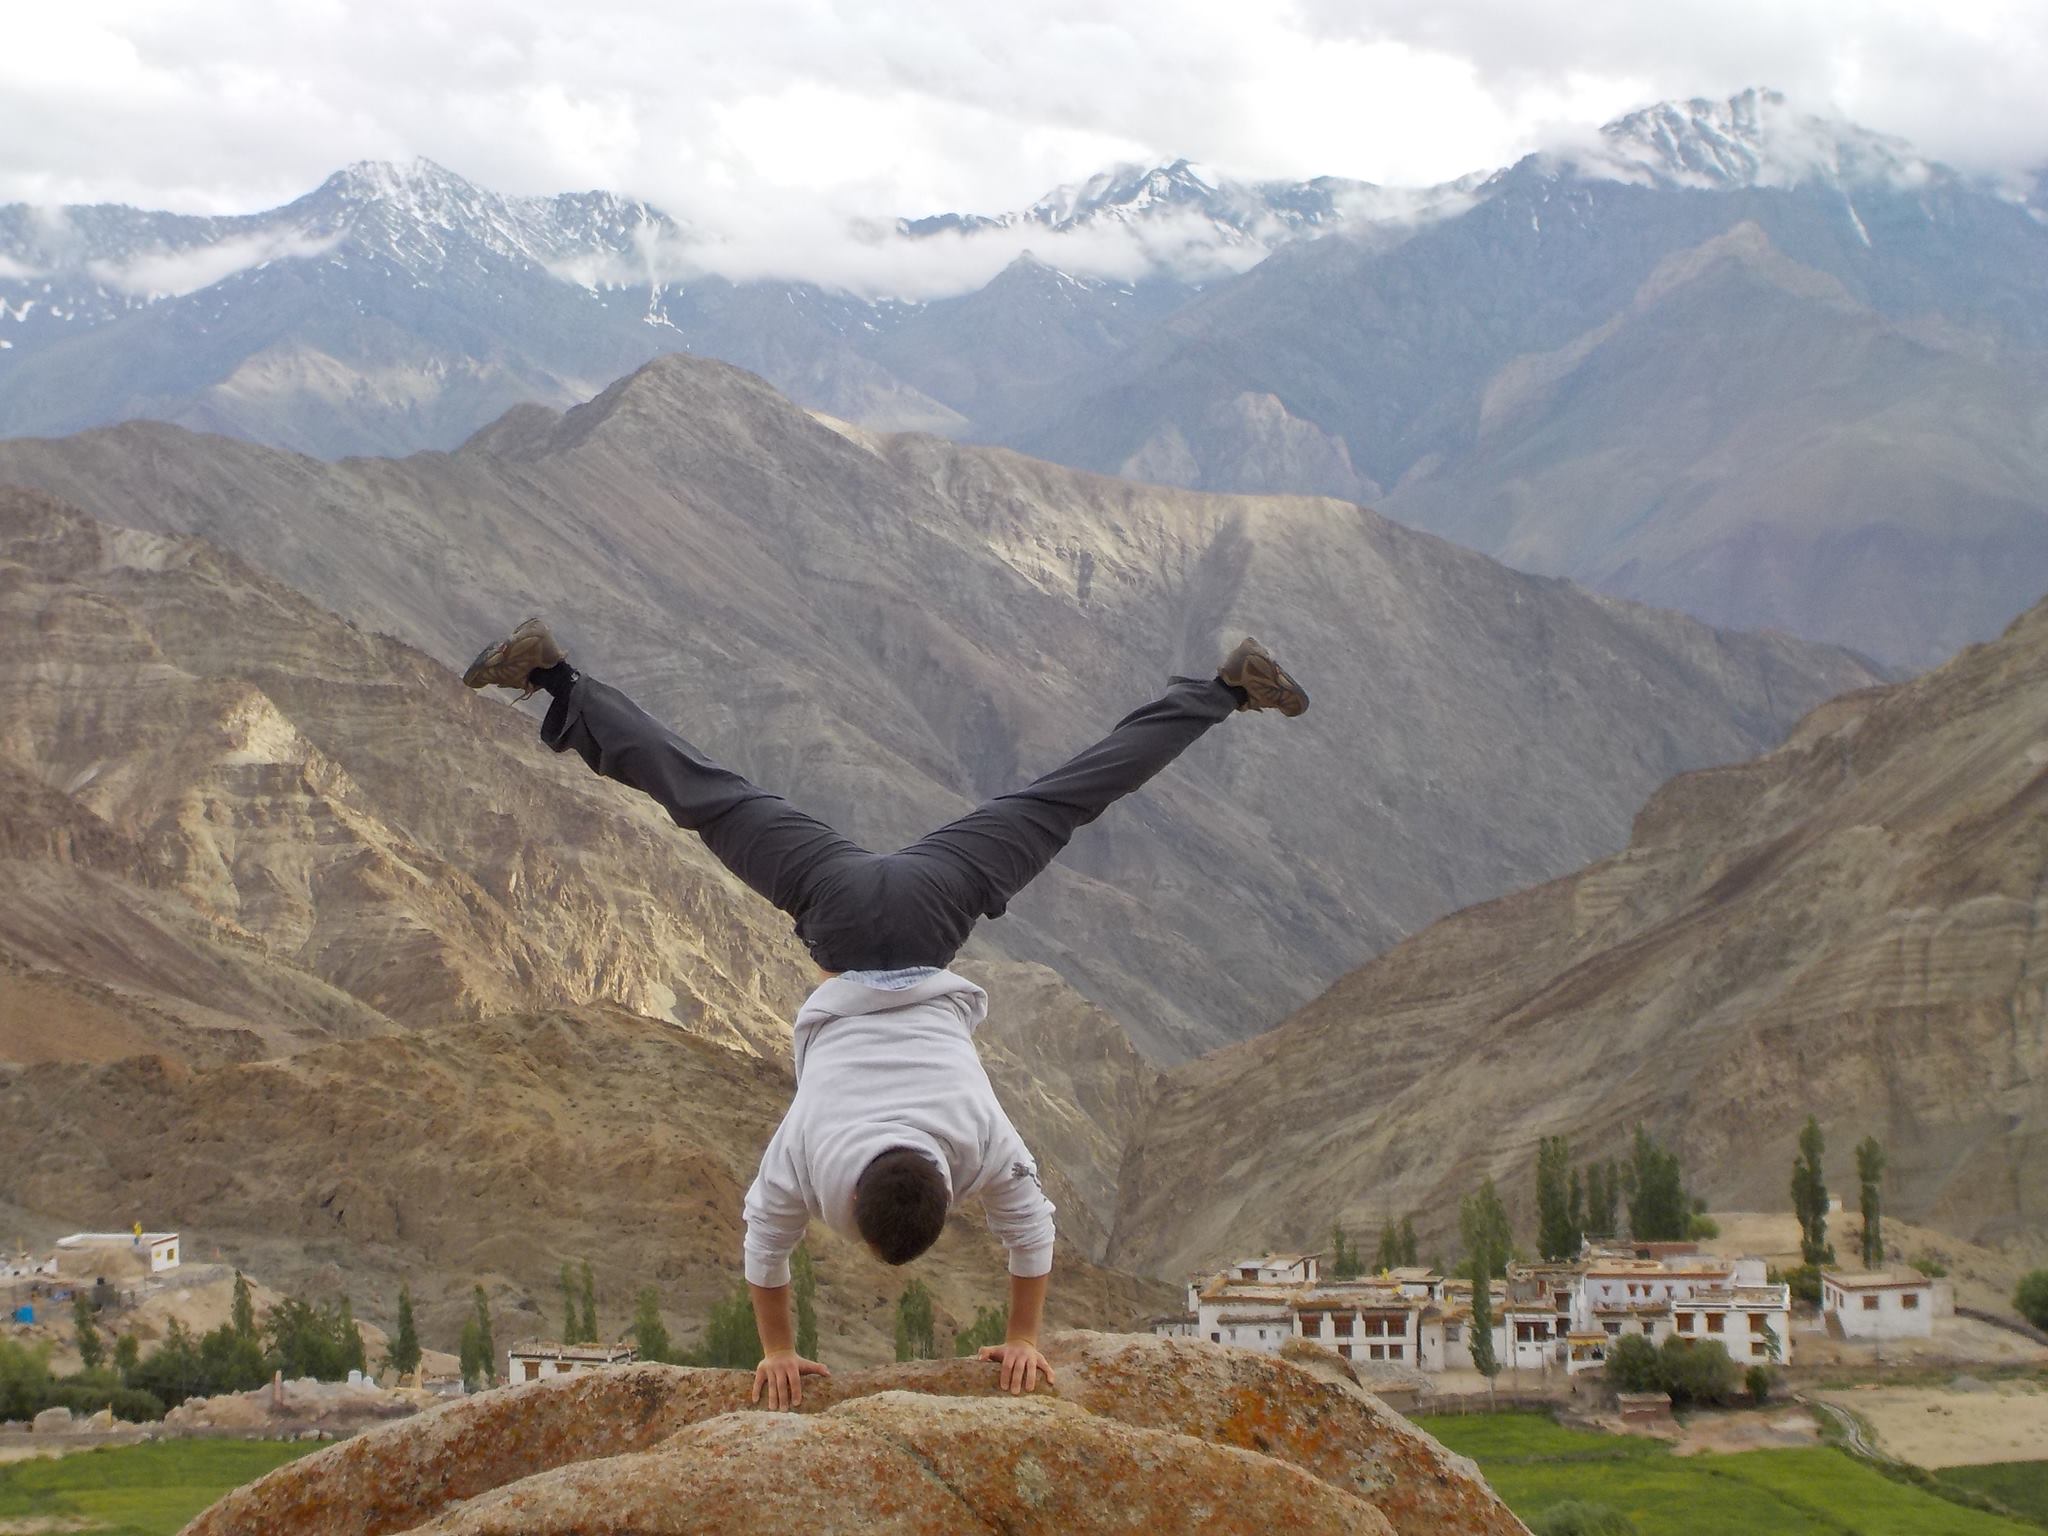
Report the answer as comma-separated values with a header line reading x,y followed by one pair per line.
x,y
1883,1304
540,1359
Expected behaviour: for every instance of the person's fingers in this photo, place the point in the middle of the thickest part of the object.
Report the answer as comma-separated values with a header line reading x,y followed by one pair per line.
x,y
990,1352
757,1388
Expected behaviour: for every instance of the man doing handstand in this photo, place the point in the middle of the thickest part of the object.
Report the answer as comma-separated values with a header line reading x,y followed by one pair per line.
x,y
894,1119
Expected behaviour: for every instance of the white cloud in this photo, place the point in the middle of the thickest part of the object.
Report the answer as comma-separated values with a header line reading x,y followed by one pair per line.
x,y
12,271
167,273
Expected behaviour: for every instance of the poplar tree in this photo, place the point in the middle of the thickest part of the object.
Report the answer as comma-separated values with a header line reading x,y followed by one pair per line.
x,y
1658,1210
1575,1210
803,1286
914,1326
1810,1197
487,1347
92,1348
1483,1223
1870,1174
589,1305
349,1341
244,1314
571,1332
404,1354
1483,1359
1409,1258
1554,1237
650,1333
1388,1254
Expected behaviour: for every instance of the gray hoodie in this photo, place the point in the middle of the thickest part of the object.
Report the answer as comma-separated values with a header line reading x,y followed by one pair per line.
x,y
878,1069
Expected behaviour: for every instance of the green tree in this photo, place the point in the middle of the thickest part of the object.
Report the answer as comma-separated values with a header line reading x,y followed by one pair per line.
x,y
991,1325
92,1349
1408,1251
589,1318
1603,1196
650,1333
1387,1254
173,1370
1555,1238
803,1290
2032,1297
24,1378
731,1340
349,1340
1345,1263
242,1315
1699,1373
1483,1224
1870,1174
1575,1210
1658,1210
471,1354
487,1347
231,1362
1483,1358
914,1325
404,1354
572,1331
1633,1365
1756,1381
127,1356
1810,1197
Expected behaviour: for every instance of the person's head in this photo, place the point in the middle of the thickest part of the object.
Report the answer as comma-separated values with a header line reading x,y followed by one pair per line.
x,y
899,1204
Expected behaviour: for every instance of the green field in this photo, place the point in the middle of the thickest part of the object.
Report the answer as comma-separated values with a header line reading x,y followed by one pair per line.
x,y
136,1490
2021,1486
1534,1463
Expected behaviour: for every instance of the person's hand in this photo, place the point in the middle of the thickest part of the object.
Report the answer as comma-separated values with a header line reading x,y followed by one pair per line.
x,y
782,1374
1022,1365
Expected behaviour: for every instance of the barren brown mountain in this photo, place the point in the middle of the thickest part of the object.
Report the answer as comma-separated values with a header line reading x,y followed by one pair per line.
x,y
889,629
238,829
1850,926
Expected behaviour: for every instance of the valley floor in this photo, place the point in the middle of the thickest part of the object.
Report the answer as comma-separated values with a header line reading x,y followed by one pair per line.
x,y
131,1490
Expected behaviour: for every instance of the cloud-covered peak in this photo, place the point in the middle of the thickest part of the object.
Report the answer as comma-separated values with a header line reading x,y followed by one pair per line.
x,y
1754,139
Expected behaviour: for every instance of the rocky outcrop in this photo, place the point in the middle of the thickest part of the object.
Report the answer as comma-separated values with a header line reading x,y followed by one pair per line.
x,y
1138,1434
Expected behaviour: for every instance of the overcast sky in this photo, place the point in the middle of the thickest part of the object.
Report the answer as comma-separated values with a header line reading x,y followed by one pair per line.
x,y
915,106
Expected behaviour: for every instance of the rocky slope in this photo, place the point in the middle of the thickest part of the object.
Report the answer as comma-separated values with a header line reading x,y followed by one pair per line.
x,y
1137,1434
487,1152
889,629
238,828
1851,926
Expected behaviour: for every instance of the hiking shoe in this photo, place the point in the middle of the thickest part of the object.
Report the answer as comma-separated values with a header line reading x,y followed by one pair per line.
x,y
509,663
1264,681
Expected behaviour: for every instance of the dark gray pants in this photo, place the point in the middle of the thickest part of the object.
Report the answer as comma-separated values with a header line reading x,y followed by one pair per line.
x,y
857,910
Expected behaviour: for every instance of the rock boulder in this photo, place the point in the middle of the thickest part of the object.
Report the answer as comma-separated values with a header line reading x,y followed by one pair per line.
x,y
1137,1434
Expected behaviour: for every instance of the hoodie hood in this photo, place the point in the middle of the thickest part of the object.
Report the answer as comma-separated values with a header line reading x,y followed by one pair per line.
x,y
840,997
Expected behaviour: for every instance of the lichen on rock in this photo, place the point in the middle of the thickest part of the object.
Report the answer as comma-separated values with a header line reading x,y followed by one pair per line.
x,y
1138,1434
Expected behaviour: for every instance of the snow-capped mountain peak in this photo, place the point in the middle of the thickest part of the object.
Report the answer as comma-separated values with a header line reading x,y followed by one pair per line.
x,y
1754,139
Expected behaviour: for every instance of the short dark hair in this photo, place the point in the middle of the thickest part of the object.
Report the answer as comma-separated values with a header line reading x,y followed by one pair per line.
x,y
900,1204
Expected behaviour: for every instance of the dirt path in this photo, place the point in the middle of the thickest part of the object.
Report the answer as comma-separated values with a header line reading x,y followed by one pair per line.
x,y
1947,1426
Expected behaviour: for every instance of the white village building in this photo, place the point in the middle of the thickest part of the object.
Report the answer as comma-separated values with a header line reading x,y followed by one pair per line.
x,y
539,1359
1545,1316
160,1249
1883,1304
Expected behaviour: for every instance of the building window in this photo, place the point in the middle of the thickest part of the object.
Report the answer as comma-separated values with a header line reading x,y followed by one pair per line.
x,y
1756,1322
533,1370
1342,1325
1393,1351
1717,1322
1215,1338
1613,1329
1910,1301
1248,1274
1756,1349
1453,1332
1870,1303
1344,1350
1685,1322
1379,1351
